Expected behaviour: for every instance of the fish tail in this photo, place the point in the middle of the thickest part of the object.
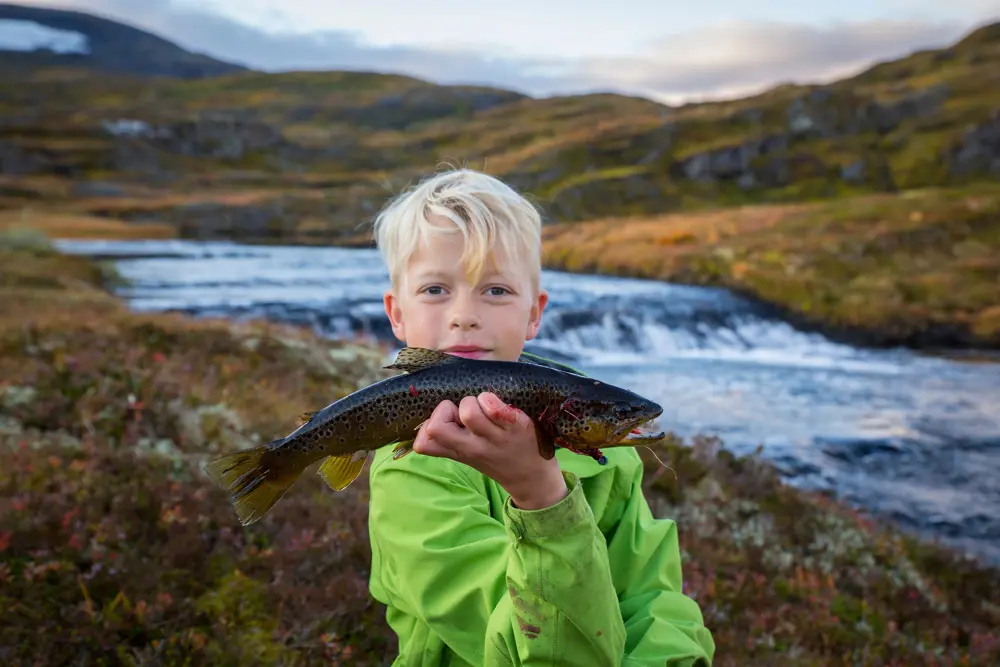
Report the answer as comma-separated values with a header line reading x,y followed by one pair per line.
x,y
254,480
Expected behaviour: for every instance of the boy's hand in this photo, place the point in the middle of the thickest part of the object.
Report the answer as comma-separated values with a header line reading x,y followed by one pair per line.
x,y
498,441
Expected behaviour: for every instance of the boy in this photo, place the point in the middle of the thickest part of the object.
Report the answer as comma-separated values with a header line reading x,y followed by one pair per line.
x,y
484,552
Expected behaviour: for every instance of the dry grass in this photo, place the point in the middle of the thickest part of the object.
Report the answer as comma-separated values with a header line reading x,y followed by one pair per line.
x,y
77,226
920,268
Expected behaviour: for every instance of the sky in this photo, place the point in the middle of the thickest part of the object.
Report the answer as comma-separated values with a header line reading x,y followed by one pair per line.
x,y
666,50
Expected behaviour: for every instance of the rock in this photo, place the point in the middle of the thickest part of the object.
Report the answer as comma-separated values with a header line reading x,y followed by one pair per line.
x,y
217,134
854,172
98,189
14,160
979,149
746,181
14,396
211,428
740,162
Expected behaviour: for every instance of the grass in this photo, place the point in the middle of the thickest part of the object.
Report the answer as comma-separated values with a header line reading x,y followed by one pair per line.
x,y
922,268
115,548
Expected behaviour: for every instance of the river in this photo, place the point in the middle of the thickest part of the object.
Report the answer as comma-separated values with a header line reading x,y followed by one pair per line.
x,y
912,438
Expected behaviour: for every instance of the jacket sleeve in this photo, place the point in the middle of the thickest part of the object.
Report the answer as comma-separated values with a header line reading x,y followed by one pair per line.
x,y
663,625
535,589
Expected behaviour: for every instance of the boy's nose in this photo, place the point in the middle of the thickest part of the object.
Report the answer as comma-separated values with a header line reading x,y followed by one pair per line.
x,y
464,320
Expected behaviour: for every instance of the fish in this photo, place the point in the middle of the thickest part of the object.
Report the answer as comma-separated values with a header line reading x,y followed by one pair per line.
x,y
567,409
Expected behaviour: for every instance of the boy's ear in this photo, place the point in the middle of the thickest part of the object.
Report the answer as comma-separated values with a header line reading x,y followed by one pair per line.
x,y
535,317
395,314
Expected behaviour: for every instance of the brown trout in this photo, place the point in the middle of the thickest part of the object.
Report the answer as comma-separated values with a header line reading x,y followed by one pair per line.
x,y
568,410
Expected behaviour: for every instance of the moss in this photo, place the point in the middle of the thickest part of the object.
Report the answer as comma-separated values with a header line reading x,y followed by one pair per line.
x,y
239,612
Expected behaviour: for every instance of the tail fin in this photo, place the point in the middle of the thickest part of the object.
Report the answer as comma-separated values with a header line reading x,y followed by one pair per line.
x,y
254,483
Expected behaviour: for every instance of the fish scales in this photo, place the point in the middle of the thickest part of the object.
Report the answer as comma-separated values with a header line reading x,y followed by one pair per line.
x,y
389,410
568,410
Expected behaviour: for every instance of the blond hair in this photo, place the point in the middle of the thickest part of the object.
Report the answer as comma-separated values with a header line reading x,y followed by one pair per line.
x,y
491,216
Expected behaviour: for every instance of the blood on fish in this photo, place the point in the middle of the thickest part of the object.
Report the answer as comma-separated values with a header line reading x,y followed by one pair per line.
x,y
413,391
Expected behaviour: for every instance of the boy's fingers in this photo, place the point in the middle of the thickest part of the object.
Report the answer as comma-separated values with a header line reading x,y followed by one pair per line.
x,y
497,411
472,416
434,434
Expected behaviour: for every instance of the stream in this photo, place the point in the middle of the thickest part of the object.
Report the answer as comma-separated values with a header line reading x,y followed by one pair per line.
x,y
908,437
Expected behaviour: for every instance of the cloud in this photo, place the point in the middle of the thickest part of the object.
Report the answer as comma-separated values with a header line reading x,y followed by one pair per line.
x,y
727,59
741,57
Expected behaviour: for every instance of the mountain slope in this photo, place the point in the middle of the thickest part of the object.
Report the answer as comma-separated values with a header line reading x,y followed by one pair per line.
x,y
110,46
337,143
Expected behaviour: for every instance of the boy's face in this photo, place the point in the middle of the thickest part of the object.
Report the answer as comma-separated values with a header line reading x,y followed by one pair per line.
x,y
434,306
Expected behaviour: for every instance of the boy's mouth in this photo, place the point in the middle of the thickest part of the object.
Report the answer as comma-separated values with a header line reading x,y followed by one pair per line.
x,y
467,351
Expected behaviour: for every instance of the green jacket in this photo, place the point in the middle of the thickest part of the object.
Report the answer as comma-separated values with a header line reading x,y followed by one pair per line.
x,y
469,579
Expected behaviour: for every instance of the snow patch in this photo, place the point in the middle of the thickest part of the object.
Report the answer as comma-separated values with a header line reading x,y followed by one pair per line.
x,y
17,35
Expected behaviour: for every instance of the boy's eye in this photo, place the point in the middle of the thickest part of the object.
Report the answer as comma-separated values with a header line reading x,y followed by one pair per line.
x,y
434,290
498,291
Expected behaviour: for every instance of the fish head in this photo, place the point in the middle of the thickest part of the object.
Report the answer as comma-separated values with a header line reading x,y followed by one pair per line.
x,y
600,415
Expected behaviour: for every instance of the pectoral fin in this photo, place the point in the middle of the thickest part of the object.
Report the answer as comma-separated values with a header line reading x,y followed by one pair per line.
x,y
340,471
402,449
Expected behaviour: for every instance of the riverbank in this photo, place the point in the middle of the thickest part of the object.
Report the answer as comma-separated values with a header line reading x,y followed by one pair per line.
x,y
920,269
112,538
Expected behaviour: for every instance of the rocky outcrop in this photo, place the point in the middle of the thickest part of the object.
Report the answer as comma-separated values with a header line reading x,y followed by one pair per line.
x,y
771,160
228,136
752,163
979,149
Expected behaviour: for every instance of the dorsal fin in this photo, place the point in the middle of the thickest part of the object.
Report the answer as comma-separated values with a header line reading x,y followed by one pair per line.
x,y
412,359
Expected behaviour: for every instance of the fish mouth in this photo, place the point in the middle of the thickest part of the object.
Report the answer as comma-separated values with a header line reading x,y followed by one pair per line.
x,y
634,433
467,351
638,435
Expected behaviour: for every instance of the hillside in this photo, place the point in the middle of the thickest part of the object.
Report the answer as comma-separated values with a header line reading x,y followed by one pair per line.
x,y
102,44
318,152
